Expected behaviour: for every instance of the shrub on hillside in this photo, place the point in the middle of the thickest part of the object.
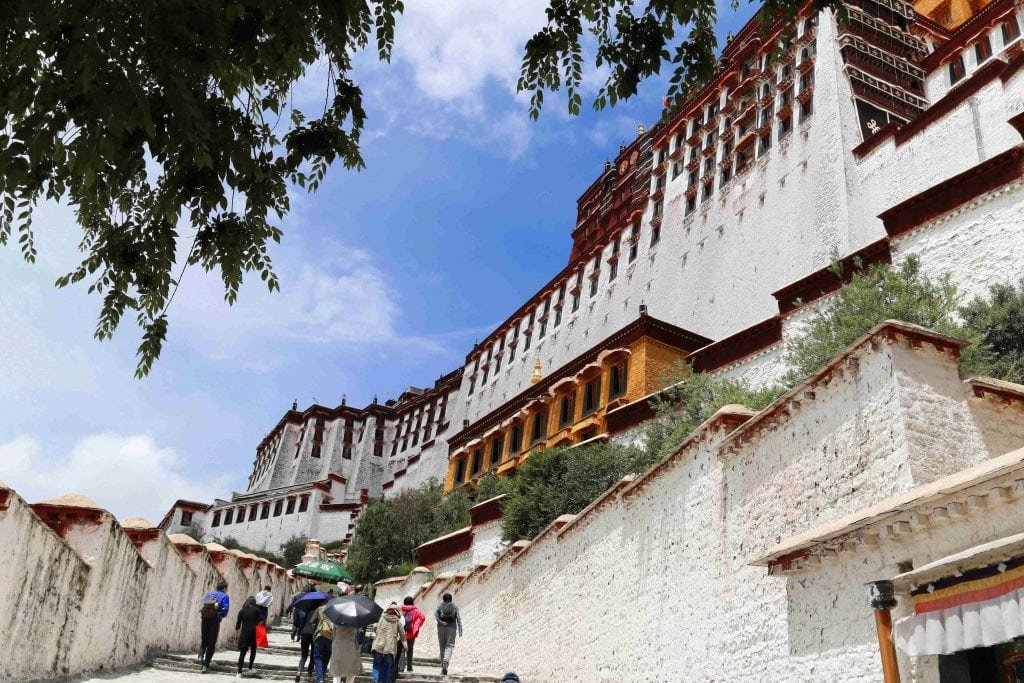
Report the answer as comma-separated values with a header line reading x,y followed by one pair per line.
x,y
562,481
389,529
691,398
879,293
997,322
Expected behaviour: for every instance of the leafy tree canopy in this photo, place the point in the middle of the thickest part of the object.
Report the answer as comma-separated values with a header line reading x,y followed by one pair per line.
x,y
389,529
561,481
691,398
169,127
878,293
997,321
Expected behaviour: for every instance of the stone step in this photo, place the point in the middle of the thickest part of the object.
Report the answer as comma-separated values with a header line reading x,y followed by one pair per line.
x,y
268,671
295,650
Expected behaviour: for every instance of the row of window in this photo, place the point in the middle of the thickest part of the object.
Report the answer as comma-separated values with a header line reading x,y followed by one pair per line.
x,y
1010,33
538,427
719,143
412,427
237,515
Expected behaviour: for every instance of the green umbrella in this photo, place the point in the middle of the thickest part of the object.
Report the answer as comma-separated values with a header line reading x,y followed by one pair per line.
x,y
323,571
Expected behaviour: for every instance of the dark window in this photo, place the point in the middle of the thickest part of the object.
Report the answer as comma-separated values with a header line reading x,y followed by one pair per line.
x,y
655,234
316,450
290,508
477,462
378,449
254,511
240,515
265,512
956,70
591,396
1011,30
511,352
460,471
346,452
216,518
497,361
593,284
526,342
691,204
567,410
982,50
229,516
540,427
617,380
303,503
278,507
186,518
472,385
613,268
495,451
515,441
634,236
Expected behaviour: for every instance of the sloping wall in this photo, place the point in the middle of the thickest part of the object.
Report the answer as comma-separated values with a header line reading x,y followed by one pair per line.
x,y
80,593
654,579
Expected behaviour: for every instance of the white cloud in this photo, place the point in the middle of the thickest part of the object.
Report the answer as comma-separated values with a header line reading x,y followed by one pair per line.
x,y
129,475
455,47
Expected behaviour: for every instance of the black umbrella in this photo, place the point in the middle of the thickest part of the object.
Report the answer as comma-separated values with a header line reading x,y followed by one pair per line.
x,y
353,610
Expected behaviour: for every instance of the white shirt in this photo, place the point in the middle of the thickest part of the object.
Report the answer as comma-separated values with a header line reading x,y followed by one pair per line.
x,y
264,598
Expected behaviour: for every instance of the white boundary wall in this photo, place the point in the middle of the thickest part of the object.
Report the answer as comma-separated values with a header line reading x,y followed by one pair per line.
x,y
654,579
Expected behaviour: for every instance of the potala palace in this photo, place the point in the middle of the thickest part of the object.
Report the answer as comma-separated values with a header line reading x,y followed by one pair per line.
x,y
749,554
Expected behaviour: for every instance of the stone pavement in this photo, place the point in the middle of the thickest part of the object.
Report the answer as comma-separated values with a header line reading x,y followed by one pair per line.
x,y
278,662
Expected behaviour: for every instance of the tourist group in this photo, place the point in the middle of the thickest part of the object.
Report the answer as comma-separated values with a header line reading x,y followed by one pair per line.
x,y
333,629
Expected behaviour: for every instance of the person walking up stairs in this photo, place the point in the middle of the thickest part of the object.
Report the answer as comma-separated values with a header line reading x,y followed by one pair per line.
x,y
448,623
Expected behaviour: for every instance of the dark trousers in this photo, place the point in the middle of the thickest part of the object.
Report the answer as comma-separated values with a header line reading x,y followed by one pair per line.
x,y
306,651
322,656
396,666
408,653
251,647
382,664
210,630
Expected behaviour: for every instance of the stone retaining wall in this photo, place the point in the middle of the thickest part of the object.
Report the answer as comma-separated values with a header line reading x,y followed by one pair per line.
x,y
83,593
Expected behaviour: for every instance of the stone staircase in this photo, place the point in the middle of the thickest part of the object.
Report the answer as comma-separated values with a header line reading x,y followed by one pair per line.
x,y
279,661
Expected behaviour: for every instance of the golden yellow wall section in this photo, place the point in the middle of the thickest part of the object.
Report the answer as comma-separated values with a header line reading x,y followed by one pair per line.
x,y
949,13
663,363
650,363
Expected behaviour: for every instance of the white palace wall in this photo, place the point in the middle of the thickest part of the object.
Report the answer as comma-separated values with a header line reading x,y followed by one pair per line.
x,y
653,581
82,593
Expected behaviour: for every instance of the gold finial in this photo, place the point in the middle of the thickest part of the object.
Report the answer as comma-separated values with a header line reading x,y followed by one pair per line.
x,y
640,130
537,376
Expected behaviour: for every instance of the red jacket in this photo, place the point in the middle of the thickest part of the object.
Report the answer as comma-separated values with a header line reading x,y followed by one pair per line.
x,y
414,619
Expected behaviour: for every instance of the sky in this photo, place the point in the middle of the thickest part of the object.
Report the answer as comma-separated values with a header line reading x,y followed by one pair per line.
x,y
388,275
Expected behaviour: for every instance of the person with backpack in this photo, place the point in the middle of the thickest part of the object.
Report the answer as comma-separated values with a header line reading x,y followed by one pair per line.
x,y
448,623
389,633
414,619
214,608
323,641
245,632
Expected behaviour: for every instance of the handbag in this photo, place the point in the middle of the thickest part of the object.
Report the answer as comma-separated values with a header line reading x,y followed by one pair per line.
x,y
261,636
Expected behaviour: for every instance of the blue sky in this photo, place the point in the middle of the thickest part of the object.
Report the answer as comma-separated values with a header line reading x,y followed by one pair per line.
x,y
388,275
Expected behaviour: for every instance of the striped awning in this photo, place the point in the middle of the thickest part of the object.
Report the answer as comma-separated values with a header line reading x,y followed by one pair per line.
x,y
967,607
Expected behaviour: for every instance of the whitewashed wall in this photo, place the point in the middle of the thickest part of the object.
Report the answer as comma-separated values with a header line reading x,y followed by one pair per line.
x,y
656,579
94,600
